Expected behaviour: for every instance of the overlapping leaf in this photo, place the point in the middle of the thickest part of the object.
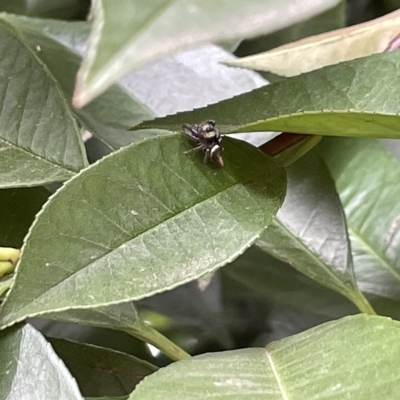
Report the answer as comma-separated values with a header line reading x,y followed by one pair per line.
x,y
137,32
367,178
309,231
355,357
27,360
334,18
356,98
39,139
66,9
56,44
292,302
143,220
123,317
99,371
328,48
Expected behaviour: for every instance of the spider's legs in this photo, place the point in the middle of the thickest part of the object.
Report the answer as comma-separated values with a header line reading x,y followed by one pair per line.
x,y
197,148
207,155
190,131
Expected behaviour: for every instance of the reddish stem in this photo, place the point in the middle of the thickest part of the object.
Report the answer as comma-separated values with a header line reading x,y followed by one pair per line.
x,y
282,142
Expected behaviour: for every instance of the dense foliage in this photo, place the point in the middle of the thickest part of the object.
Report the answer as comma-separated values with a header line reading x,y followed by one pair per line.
x,y
146,273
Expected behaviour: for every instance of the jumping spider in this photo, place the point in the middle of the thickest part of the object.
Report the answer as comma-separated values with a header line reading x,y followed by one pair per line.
x,y
208,140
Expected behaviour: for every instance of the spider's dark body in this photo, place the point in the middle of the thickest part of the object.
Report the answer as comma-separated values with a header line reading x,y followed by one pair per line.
x,y
207,138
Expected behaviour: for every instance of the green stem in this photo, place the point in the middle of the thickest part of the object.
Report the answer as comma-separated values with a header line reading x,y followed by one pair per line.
x,y
6,267
4,286
293,153
362,303
151,336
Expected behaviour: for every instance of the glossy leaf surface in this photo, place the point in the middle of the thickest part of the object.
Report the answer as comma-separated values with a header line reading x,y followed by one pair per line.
x,y
309,231
367,178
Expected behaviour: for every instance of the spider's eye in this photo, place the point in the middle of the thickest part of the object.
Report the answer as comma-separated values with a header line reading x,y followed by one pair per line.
x,y
210,122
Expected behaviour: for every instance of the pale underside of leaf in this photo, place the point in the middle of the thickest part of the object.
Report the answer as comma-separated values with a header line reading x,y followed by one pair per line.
x,y
27,358
325,49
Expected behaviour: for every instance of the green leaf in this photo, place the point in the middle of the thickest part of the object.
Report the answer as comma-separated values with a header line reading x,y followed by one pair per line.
x,y
277,286
74,9
135,33
30,367
108,398
263,312
123,317
109,116
367,178
309,231
356,98
355,357
39,139
341,45
100,371
334,18
18,209
145,219
329,20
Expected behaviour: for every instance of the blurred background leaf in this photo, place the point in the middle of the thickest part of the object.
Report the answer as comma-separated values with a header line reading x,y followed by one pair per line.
x,y
137,33
60,9
18,209
99,371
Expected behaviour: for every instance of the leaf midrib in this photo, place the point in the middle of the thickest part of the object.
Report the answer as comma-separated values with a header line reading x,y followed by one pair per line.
x,y
37,156
276,375
15,32
369,248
